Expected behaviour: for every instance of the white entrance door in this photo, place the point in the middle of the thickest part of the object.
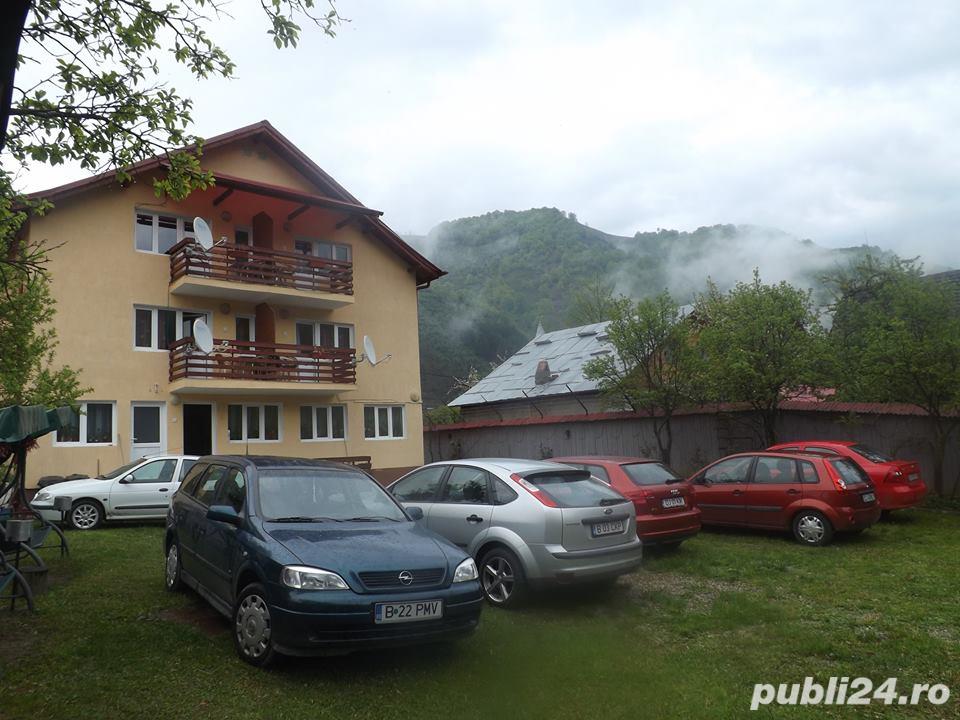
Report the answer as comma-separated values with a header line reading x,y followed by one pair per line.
x,y
148,435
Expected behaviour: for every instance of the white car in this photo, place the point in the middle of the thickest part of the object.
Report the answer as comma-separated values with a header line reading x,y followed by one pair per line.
x,y
140,490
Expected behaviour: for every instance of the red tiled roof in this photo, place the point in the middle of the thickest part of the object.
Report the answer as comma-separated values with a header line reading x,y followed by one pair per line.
x,y
426,271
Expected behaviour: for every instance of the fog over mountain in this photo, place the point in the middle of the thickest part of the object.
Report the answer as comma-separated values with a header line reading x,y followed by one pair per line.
x,y
510,270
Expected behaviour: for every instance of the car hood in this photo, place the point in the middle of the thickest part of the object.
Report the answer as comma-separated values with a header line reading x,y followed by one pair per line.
x,y
71,487
349,548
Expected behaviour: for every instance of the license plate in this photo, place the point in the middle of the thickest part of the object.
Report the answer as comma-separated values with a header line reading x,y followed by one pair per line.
x,y
913,477
608,528
399,612
869,497
674,502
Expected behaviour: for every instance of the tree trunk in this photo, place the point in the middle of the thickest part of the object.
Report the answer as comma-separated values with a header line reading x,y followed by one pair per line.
x,y
663,431
13,16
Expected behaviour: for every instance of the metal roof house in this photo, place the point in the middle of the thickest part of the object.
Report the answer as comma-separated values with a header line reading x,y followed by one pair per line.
x,y
543,378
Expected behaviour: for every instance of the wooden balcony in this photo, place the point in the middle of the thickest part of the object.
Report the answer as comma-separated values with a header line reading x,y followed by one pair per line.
x,y
257,368
255,275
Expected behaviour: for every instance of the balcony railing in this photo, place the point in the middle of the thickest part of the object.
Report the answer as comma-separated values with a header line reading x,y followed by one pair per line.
x,y
246,264
239,360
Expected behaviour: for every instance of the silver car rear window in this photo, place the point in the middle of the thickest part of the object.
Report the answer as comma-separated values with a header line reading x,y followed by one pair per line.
x,y
574,489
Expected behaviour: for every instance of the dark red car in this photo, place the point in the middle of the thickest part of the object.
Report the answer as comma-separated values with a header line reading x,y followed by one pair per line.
x,y
812,495
898,482
666,514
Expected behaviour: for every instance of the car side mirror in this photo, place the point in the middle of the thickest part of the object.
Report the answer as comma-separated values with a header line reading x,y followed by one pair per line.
x,y
415,513
126,480
223,513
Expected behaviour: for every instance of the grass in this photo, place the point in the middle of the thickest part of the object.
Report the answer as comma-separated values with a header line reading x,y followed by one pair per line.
x,y
687,636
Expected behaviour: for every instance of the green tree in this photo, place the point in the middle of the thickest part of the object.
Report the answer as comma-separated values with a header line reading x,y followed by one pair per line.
x,y
442,415
896,338
80,81
593,302
655,366
760,343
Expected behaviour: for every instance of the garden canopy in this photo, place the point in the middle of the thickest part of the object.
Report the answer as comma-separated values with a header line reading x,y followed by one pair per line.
x,y
28,422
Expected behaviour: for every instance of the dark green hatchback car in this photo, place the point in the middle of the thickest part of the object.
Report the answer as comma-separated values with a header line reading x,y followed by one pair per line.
x,y
311,557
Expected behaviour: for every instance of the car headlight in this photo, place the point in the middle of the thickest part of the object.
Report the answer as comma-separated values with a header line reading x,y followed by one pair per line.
x,y
467,570
41,496
311,578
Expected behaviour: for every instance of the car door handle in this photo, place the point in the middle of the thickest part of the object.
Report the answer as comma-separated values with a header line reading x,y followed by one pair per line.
x,y
793,491
164,489
737,493
474,519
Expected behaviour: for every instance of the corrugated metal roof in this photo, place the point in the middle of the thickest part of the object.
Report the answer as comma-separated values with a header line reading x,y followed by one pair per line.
x,y
565,350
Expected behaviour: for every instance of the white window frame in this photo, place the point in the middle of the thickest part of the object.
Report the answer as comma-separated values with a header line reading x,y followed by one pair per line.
x,y
336,331
154,247
376,422
313,423
82,442
314,242
253,325
263,423
248,229
153,325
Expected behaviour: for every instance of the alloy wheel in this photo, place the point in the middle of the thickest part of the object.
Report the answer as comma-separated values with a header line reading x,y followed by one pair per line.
x,y
498,579
811,529
85,516
253,626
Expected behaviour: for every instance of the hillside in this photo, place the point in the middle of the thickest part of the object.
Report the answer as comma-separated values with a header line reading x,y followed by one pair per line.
x,y
510,270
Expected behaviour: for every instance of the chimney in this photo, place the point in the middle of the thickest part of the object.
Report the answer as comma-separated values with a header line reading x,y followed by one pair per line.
x,y
543,374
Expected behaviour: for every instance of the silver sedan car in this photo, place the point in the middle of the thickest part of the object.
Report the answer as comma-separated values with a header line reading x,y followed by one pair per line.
x,y
528,523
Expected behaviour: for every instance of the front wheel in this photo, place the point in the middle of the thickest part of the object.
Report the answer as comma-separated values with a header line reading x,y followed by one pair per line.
x,y
252,627
172,580
812,528
85,515
501,577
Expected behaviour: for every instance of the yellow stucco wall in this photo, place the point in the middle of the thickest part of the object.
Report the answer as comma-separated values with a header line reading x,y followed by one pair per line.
x,y
98,277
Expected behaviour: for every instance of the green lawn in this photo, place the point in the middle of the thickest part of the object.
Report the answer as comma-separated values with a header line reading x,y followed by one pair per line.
x,y
687,636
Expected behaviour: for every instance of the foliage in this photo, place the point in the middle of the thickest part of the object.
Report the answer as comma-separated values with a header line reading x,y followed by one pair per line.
x,y
443,415
896,338
760,343
593,303
656,365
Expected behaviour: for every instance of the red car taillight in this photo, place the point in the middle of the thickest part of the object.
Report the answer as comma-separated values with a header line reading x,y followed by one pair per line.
x,y
534,490
895,476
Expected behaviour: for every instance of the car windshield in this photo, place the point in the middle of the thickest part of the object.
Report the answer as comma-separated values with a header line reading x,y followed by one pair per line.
x,y
574,489
321,495
122,470
650,474
870,454
850,472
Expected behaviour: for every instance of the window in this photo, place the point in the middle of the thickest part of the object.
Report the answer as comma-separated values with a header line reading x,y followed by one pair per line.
x,y
321,334
598,472
323,422
205,490
325,250
574,489
253,423
93,426
246,328
231,490
502,492
242,236
192,478
158,233
325,494
651,473
809,473
466,485
850,473
729,471
383,421
874,456
159,328
185,467
158,471
770,470
820,450
419,486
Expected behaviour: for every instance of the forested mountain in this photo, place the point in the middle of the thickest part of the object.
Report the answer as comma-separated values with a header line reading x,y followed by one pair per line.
x,y
510,270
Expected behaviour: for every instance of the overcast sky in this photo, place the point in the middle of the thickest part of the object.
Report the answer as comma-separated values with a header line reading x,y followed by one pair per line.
x,y
834,121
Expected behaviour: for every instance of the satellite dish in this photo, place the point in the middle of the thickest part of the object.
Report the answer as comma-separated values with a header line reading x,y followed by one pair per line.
x,y
203,234
369,352
202,336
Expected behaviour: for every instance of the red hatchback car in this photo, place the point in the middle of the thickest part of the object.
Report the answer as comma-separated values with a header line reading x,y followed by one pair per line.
x,y
898,482
666,514
812,495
